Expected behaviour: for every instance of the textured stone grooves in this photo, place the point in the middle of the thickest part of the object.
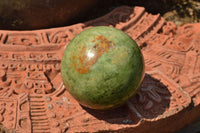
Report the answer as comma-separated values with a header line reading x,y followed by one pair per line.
x,y
39,119
33,99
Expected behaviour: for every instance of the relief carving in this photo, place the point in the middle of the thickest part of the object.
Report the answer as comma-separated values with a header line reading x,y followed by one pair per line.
x,y
33,98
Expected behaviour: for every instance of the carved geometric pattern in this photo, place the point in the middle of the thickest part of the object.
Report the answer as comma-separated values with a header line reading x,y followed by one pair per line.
x,y
177,56
158,95
34,100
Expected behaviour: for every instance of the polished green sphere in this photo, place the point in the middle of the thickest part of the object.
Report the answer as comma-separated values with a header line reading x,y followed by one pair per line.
x,y
102,67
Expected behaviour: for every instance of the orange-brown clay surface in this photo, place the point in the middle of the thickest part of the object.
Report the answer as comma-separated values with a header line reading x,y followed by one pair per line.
x,y
34,100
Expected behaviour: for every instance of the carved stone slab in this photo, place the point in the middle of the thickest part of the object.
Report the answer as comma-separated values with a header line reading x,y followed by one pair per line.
x,y
34,100
176,52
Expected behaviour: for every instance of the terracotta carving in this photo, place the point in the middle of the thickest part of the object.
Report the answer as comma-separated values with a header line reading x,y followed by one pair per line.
x,y
33,98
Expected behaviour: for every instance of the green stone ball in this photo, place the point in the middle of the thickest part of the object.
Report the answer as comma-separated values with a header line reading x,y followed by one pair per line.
x,y
102,67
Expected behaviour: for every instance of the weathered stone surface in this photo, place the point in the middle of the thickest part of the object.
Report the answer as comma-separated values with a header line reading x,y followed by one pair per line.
x,y
33,98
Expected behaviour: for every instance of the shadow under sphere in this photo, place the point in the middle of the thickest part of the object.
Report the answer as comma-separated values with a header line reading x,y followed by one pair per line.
x,y
150,89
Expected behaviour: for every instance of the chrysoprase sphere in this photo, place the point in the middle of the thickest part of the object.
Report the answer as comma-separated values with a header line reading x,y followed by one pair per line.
x,y
102,67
